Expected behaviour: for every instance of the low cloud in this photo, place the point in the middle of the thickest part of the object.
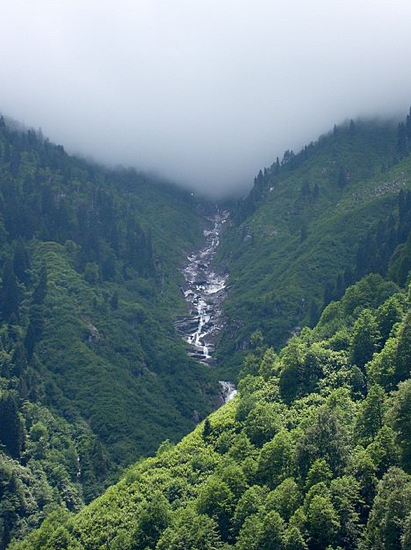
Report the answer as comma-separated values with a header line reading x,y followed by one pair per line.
x,y
205,92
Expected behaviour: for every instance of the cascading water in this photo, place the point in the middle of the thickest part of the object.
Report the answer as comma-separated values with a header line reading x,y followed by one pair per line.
x,y
205,290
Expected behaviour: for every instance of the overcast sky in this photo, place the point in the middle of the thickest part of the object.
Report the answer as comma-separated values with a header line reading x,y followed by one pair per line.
x,y
205,92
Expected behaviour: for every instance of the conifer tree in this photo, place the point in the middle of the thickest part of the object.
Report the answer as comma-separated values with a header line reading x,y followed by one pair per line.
x,y
11,426
403,363
9,292
21,262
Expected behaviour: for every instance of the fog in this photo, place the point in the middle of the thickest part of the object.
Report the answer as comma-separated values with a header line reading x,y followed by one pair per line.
x,y
205,92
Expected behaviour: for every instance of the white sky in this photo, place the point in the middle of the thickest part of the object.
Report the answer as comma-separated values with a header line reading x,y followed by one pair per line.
x,y
205,92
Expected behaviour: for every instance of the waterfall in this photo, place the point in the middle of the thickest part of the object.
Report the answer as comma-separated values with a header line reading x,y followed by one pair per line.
x,y
205,291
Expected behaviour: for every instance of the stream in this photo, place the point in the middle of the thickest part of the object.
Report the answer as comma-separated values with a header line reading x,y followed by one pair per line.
x,y
205,291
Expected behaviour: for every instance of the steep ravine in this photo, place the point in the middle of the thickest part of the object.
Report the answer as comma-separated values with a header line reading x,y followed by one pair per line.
x,y
205,291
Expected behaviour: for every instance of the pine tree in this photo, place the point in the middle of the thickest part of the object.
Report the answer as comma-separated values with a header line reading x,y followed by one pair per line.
x,y
11,426
9,292
403,363
207,429
21,262
314,313
34,329
19,359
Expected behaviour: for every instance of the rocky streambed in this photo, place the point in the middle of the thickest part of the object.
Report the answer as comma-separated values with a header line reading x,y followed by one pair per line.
x,y
205,291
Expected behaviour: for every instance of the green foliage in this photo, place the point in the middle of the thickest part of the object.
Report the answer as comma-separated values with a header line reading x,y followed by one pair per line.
x,y
346,498
285,499
191,532
312,454
320,472
384,450
272,533
403,363
323,470
291,251
9,292
250,534
294,540
251,502
93,374
153,518
386,526
323,524
262,423
401,416
325,439
371,415
277,459
365,339
388,314
216,500
11,425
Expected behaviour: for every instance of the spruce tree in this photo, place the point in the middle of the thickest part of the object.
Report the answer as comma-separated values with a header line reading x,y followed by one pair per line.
x,y
9,292
403,363
11,426
21,262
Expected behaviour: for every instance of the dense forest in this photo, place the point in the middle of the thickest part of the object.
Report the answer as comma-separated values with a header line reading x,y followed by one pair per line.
x,y
314,451
92,372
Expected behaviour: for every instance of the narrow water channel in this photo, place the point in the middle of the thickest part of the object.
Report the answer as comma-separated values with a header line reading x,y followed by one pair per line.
x,y
205,291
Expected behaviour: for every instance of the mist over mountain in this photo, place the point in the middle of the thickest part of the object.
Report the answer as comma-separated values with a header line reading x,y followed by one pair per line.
x,y
203,92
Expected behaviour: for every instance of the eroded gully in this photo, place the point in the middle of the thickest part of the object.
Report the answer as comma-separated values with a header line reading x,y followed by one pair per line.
x,y
205,291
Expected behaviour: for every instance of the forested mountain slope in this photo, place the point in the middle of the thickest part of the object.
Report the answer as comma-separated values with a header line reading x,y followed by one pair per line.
x,y
311,226
92,372
313,454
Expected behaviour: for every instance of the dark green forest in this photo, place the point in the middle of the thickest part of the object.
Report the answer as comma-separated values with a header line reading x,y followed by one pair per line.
x,y
313,453
92,372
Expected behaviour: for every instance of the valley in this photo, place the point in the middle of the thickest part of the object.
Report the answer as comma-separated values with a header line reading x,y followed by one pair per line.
x,y
121,333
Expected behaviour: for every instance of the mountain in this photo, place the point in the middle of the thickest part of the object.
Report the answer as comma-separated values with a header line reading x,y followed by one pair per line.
x,y
314,453
312,225
93,374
